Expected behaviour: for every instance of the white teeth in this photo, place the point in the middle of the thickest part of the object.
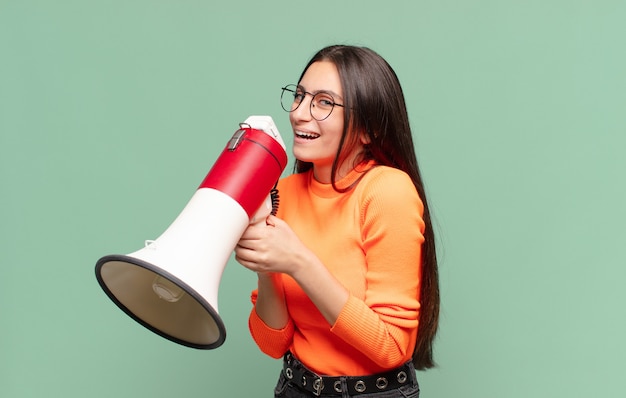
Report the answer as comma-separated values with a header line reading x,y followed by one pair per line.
x,y
308,136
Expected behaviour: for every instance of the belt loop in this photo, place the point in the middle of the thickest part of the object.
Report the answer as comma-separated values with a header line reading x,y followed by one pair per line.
x,y
413,375
344,387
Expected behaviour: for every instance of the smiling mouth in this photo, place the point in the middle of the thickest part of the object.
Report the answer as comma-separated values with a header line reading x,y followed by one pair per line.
x,y
306,136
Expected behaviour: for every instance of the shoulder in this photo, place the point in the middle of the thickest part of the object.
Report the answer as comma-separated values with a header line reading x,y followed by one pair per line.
x,y
388,179
392,186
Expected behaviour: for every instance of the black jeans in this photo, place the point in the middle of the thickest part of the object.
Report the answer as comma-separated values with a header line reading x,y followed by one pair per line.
x,y
288,387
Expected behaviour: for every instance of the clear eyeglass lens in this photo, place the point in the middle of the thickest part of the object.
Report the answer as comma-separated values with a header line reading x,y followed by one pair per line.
x,y
321,106
288,98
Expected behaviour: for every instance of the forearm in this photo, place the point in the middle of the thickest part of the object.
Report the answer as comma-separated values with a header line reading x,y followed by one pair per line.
x,y
385,335
270,304
324,290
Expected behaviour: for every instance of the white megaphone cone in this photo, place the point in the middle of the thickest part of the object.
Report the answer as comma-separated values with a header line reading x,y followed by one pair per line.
x,y
171,285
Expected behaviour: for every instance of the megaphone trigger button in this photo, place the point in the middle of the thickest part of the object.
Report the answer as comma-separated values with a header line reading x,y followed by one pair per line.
x,y
236,139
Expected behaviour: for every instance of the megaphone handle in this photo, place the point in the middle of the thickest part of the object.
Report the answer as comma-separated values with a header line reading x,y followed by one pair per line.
x,y
269,206
263,212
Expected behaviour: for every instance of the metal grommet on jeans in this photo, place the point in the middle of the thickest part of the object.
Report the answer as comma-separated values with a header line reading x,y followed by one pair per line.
x,y
359,386
337,386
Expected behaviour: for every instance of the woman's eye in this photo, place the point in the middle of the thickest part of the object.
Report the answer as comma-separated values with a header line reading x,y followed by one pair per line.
x,y
325,101
298,97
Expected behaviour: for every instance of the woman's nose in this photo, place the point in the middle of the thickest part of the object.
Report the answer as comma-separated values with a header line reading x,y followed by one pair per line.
x,y
303,111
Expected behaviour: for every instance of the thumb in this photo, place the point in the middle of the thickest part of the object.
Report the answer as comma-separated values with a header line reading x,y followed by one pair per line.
x,y
271,220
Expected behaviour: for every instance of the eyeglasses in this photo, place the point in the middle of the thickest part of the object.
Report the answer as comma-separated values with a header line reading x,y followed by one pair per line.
x,y
321,106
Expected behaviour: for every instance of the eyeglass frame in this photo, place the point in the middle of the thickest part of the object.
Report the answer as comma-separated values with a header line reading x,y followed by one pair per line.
x,y
287,88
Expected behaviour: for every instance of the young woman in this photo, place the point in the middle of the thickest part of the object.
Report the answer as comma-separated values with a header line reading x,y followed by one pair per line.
x,y
347,272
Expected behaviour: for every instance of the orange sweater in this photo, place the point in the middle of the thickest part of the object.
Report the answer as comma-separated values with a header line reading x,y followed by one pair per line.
x,y
370,239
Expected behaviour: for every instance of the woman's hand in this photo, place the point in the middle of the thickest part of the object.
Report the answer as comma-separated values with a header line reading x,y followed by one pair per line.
x,y
270,246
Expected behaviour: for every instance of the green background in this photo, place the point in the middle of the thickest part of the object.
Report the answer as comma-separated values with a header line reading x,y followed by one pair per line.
x,y
112,112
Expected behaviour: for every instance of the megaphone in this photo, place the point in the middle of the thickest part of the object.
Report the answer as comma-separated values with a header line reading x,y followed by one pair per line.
x,y
170,286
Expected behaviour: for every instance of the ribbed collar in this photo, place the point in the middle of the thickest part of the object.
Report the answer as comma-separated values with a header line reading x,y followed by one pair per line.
x,y
327,191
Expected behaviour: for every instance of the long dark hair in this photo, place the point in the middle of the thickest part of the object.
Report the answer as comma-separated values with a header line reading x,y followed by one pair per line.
x,y
374,104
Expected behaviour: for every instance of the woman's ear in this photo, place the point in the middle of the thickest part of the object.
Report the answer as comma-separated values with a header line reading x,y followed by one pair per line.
x,y
365,138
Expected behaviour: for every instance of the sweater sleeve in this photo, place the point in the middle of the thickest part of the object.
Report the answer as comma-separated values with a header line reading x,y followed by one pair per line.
x,y
272,342
383,325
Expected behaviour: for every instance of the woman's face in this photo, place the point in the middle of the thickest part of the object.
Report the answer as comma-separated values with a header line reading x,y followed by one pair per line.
x,y
317,141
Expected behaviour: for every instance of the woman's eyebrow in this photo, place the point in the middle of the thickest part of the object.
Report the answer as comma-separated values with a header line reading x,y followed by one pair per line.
x,y
334,94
